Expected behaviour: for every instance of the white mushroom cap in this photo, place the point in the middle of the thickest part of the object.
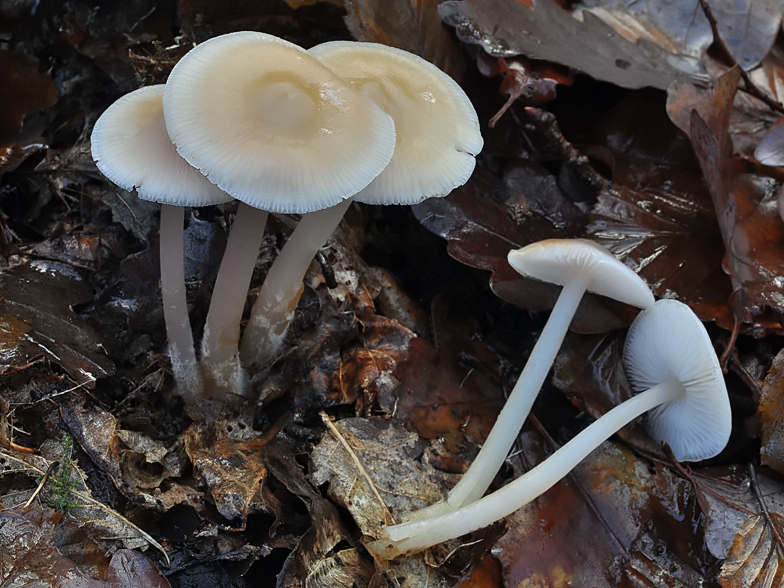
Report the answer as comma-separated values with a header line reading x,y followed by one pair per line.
x,y
667,341
131,147
437,127
555,260
272,126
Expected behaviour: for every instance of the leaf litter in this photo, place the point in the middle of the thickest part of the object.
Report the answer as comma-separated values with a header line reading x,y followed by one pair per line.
x,y
223,487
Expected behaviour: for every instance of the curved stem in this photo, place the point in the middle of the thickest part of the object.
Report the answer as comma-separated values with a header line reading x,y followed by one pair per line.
x,y
220,360
274,309
175,304
488,462
424,533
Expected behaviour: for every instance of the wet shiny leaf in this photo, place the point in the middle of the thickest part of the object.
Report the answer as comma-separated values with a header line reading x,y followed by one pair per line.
x,y
771,413
770,150
551,33
36,317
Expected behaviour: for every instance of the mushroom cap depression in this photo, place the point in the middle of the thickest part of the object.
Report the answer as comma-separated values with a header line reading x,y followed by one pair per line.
x,y
668,341
272,126
131,147
436,124
556,260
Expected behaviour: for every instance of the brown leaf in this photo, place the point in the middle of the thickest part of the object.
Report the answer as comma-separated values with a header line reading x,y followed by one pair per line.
x,y
129,569
771,413
770,150
550,33
233,470
601,526
36,317
488,217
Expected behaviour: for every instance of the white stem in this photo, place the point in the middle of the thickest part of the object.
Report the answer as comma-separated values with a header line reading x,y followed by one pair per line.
x,y
274,309
485,466
175,305
420,534
220,360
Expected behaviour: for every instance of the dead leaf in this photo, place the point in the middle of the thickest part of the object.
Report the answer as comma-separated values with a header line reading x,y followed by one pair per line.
x,y
36,317
488,217
550,33
232,470
442,396
771,414
770,150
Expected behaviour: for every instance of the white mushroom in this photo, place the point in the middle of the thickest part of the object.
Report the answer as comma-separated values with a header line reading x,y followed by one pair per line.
x,y
577,265
668,349
437,138
131,147
276,129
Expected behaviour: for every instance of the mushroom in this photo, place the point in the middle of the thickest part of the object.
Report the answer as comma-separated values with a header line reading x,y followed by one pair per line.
x,y
131,147
437,138
577,265
277,130
668,352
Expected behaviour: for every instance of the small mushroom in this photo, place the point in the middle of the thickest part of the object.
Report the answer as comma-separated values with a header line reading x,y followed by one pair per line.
x,y
437,138
277,130
577,265
131,147
668,352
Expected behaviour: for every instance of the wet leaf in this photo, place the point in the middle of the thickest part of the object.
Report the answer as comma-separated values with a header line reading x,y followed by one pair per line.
x,y
129,569
552,34
36,317
748,28
771,414
441,394
658,218
604,525
488,217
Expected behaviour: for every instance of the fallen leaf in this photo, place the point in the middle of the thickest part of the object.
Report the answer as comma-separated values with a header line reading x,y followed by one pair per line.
x,y
770,150
37,317
26,91
550,33
488,217
441,395
771,414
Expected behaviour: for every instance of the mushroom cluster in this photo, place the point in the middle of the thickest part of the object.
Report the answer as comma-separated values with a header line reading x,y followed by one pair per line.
x,y
281,130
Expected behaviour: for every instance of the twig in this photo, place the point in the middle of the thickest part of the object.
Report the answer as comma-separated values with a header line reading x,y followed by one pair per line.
x,y
389,519
751,87
765,513
45,477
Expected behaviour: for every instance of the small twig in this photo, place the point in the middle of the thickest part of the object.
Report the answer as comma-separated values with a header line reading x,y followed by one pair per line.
x,y
389,519
750,87
765,513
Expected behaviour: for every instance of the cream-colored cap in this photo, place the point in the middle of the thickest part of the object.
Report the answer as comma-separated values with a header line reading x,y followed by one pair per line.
x,y
272,126
668,341
437,127
555,260
131,147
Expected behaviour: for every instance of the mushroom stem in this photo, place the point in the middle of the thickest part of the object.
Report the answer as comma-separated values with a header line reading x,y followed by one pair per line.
x,y
221,368
485,466
274,308
175,305
420,534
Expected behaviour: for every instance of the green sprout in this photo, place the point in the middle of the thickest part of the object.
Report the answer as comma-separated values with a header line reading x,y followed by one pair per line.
x,y
61,483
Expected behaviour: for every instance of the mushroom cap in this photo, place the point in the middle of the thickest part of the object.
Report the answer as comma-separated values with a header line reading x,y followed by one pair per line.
x,y
668,341
272,126
131,147
556,260
436,124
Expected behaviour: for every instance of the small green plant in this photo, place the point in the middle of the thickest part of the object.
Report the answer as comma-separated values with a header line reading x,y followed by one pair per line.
x,y
60,483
